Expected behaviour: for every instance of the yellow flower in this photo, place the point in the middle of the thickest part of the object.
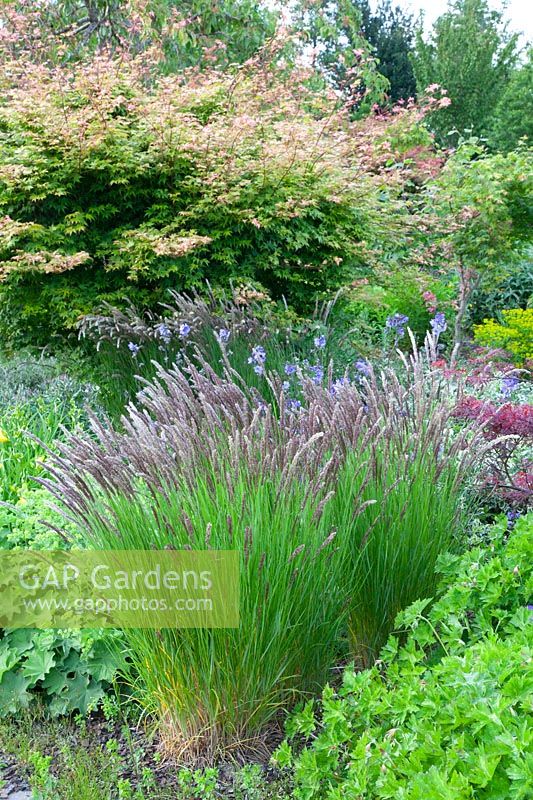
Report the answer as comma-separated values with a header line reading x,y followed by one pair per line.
x,y
3,437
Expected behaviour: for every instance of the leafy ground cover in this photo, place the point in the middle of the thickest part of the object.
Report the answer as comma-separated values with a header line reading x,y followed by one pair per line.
x,y
446,711
67,671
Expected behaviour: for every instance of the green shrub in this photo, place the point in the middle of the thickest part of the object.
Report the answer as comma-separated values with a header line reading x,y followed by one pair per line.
x,y
515,291
113,188
482,222
513,116
515,334
446,712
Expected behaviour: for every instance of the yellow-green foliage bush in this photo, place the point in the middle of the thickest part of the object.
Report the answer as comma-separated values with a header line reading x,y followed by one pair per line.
x,y
514,335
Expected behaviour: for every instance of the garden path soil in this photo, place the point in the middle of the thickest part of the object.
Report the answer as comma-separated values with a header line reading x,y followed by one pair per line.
x,y
15,786
135,748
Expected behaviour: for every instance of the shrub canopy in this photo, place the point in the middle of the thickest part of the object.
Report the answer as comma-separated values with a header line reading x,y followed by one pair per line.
x,y
116,181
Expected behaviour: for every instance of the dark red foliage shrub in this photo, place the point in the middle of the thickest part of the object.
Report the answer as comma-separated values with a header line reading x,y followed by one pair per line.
x,y
519,493
510,468
504,420
483,366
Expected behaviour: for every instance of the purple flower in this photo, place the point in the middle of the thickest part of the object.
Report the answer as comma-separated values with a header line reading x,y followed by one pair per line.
x,y
317,374
508,386
184,330
397,323
364,367
258,355
163,331
512,516
320,341
438,323
258,358
293,405
133,348
340,383
290,369
285,386
223,335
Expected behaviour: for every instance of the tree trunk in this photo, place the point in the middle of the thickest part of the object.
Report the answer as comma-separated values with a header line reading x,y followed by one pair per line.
x,y
464,294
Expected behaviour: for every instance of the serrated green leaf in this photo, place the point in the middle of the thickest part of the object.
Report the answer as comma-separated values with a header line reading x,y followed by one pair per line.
x,y
13,694
38,665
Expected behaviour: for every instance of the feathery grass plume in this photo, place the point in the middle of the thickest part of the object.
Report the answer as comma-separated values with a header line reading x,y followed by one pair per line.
x,y
404,459
221,329
220,689
339,508
201,455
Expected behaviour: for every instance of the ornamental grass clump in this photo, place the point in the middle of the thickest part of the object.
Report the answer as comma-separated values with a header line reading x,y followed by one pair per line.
x,y
408,475
337,505
220,690
410,514
203,466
